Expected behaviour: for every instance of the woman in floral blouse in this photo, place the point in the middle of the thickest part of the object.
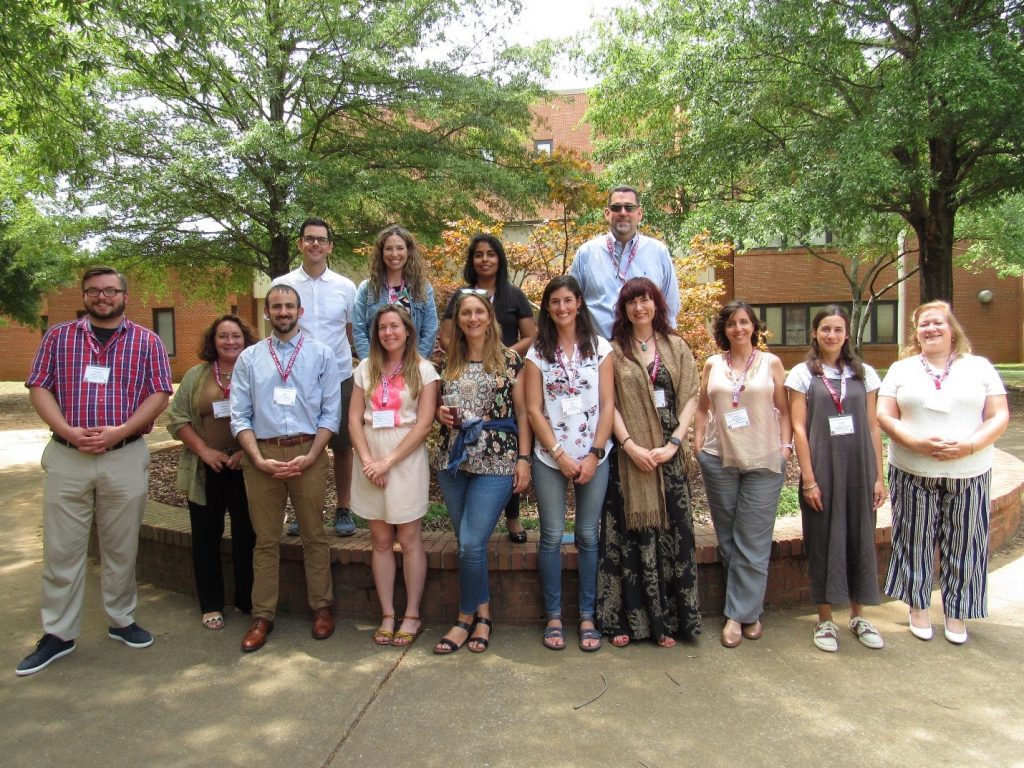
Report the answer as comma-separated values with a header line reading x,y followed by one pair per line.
x,y
571,402
483,457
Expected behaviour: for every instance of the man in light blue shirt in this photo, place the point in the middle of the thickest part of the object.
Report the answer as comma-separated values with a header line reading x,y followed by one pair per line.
x,y
604,264
285,406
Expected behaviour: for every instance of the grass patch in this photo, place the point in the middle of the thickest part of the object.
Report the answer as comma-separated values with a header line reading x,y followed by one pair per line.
x,y
1012,374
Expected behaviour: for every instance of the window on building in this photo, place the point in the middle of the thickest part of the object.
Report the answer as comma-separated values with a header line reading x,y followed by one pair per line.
x,y
163,324
543,146
789,325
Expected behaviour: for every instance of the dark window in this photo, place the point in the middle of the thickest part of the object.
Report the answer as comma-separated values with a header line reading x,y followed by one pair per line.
x,y
163,324
789,325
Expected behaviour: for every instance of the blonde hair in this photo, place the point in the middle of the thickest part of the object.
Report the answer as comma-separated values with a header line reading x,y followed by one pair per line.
x,y
960,343
494,359
412,272
410,357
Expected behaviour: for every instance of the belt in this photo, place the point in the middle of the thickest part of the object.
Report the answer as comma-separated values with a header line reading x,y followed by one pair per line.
x,y
286,441
114,447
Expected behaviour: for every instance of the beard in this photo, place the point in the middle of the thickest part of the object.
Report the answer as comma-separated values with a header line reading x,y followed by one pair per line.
x,y
283,326
106,312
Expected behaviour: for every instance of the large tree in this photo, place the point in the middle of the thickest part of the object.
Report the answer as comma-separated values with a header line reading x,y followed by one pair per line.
x,y
795,117
228,121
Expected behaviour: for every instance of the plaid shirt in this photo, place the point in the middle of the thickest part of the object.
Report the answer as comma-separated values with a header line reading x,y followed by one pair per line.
x,y
138,368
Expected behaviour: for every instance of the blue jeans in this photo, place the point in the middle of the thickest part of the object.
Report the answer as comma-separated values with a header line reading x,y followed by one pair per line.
x,y
550,485
474,504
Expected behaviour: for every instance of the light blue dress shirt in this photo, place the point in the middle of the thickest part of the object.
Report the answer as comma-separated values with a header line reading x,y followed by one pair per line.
x,y
597,276
314,377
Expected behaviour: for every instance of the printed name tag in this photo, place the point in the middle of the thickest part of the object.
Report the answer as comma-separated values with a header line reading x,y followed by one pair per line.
x,y
939,401
841,425
221,409
284,396
97,374
383,419
659,398
572,406
737,419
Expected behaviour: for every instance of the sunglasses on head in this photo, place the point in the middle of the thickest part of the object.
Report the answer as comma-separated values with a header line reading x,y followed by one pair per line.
x,y
617,207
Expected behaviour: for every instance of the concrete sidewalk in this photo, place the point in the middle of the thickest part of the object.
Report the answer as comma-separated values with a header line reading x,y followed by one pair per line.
x,y
193,699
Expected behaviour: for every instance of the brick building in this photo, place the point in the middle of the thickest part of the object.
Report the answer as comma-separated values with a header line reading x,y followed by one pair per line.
x,y
786,285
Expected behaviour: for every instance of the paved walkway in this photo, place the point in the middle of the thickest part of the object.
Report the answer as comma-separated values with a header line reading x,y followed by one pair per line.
x,y
193,699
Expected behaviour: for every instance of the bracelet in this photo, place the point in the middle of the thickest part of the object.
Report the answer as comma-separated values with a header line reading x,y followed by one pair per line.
x,y
628,438
791,446
810,487
525,457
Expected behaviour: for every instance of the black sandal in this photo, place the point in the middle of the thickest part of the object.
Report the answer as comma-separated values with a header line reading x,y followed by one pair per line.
x,y
450,646
484,641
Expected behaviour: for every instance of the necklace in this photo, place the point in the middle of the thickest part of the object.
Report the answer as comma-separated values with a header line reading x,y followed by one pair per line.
x,y
643,344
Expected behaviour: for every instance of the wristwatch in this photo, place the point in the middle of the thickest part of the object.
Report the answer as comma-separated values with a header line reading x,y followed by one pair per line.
x,y
676,441
599,452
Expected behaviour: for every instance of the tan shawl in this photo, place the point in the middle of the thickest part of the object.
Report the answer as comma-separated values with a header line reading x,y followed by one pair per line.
x,y
643,492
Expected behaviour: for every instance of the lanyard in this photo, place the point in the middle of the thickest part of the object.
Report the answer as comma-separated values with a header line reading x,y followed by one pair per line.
x,y
657,365
97,350
738,384
837,399
571,370
621,273
385,390
216,374
941,377
285,372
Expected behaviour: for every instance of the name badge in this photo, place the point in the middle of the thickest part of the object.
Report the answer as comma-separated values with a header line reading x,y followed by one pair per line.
x,y
939,402
737,419
659,398
221,409
572,406
840,425
96,374
383,419
284,396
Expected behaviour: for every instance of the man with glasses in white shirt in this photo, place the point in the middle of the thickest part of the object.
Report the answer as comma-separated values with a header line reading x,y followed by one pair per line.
x,y
604,264
328,300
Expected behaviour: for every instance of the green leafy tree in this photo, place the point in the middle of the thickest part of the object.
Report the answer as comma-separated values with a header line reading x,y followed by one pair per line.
x,y
795,117
229,121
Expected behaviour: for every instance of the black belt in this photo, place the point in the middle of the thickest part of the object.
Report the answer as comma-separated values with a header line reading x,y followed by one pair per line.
x,y
114,447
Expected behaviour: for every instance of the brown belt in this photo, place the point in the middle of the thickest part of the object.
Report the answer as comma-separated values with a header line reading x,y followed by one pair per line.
x,y
286,441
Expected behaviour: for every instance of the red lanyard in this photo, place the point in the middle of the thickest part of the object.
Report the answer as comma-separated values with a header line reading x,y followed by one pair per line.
x,y
738,384
97,350
385,390
657,365
836,398
621,273
571,370
285,372
216,374
938,378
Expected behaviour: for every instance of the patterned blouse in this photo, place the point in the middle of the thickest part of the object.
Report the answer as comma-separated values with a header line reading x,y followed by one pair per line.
x,y
489,396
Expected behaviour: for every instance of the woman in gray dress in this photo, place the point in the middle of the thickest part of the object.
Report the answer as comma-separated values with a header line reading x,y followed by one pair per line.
x,y
832,407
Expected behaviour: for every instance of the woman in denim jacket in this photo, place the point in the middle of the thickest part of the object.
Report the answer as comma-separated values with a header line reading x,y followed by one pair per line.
x,y
396,277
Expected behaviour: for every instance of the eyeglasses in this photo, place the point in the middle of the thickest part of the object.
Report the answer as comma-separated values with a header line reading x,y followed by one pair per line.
x,y
95,293
617,207
312,240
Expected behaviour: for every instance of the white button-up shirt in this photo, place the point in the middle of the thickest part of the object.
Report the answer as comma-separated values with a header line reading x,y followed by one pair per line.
x,y
327,303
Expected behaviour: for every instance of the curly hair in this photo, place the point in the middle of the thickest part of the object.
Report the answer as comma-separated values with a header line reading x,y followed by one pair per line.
x,y
412,272
728,311
207,345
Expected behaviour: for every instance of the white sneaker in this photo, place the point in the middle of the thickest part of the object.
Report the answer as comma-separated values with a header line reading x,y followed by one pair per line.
x,y
866,633
826,636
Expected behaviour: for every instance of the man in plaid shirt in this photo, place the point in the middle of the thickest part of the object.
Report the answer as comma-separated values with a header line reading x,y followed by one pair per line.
x,y
99,382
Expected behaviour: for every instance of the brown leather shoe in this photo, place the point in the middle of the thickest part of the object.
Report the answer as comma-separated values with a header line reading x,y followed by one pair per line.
x,y
753,631
256,637
732,634
323,623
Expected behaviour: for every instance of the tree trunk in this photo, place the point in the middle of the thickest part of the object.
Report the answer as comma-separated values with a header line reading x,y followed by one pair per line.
x,y
935,233
279,254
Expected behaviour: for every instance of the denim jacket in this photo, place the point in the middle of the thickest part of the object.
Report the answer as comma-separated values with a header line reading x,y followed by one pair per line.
x,y
424,319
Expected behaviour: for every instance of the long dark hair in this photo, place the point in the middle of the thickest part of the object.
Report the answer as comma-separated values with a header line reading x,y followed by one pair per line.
x,y
728,311
846,354
622,329
547,334
501,279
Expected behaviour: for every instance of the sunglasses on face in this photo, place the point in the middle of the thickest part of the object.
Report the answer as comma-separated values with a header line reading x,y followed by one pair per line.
x,y
617,207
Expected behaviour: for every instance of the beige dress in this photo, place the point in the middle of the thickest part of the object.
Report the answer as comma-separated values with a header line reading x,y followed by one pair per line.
x,y
406,496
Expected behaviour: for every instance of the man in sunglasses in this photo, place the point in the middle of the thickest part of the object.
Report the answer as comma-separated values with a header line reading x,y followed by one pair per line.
x,y
329,299
98,382
604,264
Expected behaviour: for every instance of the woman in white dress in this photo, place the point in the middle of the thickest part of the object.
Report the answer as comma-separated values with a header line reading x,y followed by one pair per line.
x,y
394,396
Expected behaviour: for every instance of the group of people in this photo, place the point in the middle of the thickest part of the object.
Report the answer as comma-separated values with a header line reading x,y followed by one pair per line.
x,y
598,393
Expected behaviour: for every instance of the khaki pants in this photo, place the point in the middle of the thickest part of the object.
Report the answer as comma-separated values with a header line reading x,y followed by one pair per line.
x,y
267,498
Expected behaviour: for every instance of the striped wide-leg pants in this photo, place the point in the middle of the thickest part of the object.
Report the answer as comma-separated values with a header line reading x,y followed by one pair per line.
x,y
952,512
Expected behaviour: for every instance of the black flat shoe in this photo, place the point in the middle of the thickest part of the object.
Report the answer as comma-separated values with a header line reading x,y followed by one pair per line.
x,y
445,646
483,641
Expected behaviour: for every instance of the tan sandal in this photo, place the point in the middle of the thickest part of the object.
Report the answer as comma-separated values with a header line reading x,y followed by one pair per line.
x,y
407,638
384,636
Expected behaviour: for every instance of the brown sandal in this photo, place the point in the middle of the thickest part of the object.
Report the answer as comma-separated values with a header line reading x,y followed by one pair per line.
x,y
407,638
384,636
